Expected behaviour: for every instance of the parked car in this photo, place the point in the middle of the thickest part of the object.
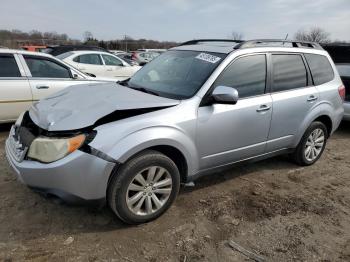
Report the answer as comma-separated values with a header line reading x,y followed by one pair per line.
x,y
194,110
160,51
127,57
116,52
26,77
60,49
340,53
101,64
143,58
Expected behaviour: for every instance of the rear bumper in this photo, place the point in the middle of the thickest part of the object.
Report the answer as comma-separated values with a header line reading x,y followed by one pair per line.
x,y
346,111
77,178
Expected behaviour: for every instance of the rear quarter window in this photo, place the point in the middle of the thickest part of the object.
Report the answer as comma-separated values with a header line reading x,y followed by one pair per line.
x,y
321,69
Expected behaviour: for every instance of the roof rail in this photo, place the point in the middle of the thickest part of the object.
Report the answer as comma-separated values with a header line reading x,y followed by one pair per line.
x,y
277,42
197,41
259,43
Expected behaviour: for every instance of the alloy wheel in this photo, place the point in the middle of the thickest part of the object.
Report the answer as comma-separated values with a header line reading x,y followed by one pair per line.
x,y
149,190
314,144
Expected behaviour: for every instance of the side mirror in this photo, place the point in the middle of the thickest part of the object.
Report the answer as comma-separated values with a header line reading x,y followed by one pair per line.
x,y
75,76
225,95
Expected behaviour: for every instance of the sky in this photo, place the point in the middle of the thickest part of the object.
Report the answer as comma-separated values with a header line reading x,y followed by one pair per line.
x,y
177,20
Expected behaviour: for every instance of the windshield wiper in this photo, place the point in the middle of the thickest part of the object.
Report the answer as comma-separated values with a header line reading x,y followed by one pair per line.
x,y
145,90
142,89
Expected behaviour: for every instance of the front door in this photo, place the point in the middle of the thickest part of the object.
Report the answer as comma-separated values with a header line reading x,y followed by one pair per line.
x,y
15,93
230,133
116,68
47,76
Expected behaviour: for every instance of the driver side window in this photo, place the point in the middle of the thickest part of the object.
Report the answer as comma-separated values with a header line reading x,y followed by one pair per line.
x,y
46,68
246,74
112,61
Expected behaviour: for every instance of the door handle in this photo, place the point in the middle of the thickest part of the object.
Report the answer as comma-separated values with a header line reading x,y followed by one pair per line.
x,y
312,98
42,87
263,108
109,69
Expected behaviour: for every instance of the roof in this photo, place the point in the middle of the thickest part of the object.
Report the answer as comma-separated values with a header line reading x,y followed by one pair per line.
x,y
23,52
81,52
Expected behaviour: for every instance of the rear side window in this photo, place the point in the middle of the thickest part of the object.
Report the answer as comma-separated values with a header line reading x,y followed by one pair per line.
x,y
246,74
92,59
46,68
8,66
321,69
289,72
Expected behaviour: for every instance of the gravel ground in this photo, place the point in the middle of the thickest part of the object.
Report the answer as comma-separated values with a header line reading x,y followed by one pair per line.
x,y
273,208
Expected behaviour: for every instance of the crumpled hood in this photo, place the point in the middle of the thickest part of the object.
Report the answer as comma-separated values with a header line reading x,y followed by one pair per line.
x,y
81,106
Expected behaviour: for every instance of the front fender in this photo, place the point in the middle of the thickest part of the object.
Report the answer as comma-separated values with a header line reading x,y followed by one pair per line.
x,y
156,136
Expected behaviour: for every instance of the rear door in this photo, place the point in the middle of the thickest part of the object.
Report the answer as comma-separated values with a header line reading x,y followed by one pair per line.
x,y
47,76
293,96
15,93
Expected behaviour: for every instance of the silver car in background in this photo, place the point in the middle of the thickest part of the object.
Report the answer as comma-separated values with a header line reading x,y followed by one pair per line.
x,y
196,109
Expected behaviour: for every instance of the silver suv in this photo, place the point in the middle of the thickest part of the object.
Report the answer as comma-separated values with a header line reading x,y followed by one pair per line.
x,y
197,108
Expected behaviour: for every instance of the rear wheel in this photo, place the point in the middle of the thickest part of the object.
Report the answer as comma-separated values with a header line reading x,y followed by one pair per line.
x,y
312,144
144,187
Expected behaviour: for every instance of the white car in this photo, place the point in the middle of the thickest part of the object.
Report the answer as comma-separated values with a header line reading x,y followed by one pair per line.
x,y
26,77
101,64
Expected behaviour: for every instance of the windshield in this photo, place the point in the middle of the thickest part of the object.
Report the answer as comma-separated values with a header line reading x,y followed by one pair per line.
x,y
344,70
64,55
176,74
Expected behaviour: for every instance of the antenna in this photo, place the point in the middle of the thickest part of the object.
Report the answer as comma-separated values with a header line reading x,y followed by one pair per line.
x,y
286,37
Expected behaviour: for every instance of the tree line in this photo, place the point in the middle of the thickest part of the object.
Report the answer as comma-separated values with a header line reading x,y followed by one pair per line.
x,y
17,38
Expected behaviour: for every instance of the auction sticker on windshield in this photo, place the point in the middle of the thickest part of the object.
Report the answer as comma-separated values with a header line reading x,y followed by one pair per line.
x,y
208,58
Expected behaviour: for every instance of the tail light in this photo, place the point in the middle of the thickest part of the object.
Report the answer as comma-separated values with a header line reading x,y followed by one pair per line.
x,y
341,91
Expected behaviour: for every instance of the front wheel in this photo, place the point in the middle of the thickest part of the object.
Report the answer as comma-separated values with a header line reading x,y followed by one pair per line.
x,y
312,144
144,188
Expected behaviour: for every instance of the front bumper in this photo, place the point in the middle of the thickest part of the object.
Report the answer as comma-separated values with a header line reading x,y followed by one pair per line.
x,y
75,178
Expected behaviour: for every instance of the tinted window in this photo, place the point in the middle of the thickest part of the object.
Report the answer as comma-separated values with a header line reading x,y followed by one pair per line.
x,y
289,72
40,67
8,66
247,75
92,59
112,61
321,69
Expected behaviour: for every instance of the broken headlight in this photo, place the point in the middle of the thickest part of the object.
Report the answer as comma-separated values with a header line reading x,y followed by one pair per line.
x,y
47,150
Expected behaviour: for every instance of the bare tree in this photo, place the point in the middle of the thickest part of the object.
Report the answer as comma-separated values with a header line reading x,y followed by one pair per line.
x,y
87,36
315,34
236,35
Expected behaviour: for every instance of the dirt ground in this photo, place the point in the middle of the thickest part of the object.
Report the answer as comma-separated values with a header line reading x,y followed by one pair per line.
x,y
273,208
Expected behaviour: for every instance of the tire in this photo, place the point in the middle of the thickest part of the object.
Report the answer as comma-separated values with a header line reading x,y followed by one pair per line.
x,y
121,194
302,156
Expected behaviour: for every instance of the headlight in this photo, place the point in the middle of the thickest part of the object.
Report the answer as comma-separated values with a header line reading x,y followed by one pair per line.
x,y
48,150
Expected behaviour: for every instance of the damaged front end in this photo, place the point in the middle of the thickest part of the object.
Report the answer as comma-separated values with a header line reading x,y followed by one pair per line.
x,y
45,146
